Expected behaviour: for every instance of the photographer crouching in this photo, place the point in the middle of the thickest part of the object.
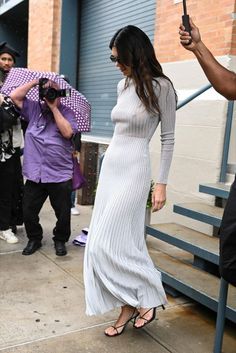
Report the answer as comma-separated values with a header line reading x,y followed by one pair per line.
x,y
47,164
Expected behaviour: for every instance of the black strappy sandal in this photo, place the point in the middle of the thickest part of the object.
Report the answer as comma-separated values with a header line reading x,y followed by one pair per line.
x,y
146,320
133,317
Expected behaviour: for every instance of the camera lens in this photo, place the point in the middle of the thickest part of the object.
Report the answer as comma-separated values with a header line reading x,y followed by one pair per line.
x,y
51,94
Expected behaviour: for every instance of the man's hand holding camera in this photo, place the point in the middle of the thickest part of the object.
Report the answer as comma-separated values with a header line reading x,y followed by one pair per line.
x,y
50,93
52,104
44,87
49,90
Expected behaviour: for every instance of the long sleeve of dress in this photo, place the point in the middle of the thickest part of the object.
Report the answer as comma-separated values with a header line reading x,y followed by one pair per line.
x,y
167,104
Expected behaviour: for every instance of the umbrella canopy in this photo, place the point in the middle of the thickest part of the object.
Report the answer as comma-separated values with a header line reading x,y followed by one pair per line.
x,y
77,102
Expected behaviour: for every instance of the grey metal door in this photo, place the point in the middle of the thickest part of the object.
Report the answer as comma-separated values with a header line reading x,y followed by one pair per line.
x,y
98,77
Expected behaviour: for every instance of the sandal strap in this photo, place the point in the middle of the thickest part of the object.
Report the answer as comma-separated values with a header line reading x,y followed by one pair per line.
x,y
134,314
131,317
142,317
115,328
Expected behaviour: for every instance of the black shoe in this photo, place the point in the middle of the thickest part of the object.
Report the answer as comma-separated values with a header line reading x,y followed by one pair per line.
x,y
31,247
60,248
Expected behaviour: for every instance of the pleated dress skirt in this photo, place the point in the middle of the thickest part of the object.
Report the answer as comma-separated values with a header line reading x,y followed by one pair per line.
x,y
117,267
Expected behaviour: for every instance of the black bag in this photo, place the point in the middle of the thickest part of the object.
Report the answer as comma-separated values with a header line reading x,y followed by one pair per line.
x,y
8,115
227,234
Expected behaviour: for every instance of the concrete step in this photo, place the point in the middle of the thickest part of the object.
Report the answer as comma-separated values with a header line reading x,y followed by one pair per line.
x,y
199,244
201,212
216,189
193,282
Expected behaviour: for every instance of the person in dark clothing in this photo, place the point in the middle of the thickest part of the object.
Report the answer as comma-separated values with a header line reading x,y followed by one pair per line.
x,y
11,180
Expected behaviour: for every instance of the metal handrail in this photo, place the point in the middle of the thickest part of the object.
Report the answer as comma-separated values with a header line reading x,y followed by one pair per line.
x,y
224,163
193,96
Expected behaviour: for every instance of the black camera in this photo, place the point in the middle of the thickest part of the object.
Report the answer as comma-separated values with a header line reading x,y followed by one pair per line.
x,y
8,114
51,93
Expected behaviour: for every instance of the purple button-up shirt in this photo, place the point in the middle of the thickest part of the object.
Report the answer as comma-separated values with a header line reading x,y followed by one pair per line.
x,y
47,154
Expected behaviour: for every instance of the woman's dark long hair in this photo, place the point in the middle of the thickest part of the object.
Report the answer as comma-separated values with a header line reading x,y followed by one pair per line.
x,y
135,50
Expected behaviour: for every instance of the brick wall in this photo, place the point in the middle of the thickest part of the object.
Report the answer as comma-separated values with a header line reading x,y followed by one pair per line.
x,y
44,35
213,17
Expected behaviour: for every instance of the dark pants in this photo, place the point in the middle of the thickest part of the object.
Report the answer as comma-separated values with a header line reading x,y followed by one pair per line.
x,y
35,194
7,169
228,238
17,191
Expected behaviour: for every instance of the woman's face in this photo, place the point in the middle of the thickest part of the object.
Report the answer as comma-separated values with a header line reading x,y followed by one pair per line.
x,y
126,70
6,62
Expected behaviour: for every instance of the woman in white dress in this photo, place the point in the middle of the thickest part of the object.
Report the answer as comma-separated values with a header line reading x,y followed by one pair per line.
x,y
118,271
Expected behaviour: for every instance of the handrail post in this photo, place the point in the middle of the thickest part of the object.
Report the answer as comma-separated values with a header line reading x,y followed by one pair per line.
x,y
225,155
220,322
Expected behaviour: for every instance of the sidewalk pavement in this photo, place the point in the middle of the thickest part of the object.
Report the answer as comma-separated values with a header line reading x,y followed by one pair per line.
x,y
42,308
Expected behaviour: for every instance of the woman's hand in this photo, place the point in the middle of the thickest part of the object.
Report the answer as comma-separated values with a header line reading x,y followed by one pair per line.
x,y
158,197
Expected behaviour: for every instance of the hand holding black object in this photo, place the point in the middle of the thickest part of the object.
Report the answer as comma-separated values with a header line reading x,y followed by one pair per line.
x,y
185,20
190,42
43,81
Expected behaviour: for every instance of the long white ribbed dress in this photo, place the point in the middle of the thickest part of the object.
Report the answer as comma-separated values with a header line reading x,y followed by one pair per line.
x,y
117,267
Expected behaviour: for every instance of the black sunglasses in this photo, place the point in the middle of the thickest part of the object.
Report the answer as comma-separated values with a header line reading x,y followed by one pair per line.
x,y
115,59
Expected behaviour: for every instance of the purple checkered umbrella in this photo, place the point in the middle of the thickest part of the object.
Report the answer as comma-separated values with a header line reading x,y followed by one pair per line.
x,y
77,102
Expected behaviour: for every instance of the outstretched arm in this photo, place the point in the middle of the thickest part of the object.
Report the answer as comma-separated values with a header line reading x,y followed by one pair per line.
x,y
223,80
20,92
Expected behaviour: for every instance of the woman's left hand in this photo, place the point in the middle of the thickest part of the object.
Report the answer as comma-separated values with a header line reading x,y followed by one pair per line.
x,y
158,197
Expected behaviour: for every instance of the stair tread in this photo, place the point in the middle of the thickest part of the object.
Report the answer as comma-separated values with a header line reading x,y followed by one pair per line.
x,y
221,186
203,208
219,189
190,236
195,278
